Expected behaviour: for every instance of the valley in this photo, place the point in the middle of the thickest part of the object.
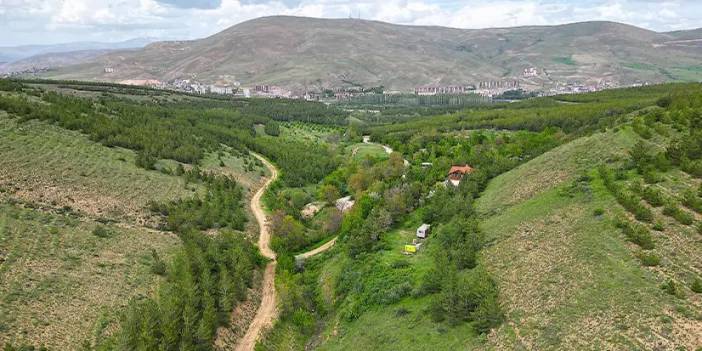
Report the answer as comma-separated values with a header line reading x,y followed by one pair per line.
x,y
137,218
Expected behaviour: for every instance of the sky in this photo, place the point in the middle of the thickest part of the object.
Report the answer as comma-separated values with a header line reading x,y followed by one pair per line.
x,y
57,21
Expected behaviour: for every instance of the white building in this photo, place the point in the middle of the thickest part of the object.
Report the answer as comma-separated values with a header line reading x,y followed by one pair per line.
x,y
423,230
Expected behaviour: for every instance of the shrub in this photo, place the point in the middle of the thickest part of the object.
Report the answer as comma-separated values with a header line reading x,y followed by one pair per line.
x,y
693,168
692,201
102,231
653,196
664,101
638,235
658,226
157,266
651,177
401,312
696,286
649,259
598,212
680,215
671,288
632,203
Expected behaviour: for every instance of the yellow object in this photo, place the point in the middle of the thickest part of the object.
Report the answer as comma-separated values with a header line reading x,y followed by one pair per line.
x,y
410,248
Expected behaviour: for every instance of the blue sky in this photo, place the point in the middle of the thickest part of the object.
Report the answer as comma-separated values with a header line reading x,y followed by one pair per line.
x,y
54,21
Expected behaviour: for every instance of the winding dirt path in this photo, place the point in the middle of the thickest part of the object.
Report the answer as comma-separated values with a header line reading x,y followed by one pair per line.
x,y
267,311
328,245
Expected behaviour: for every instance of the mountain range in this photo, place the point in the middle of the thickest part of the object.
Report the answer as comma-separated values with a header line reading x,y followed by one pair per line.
x,y
312,53
24,57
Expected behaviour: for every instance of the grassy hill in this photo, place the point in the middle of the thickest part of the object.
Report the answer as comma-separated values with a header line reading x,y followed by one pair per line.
x,y
296,52
567,274
68,269
78,244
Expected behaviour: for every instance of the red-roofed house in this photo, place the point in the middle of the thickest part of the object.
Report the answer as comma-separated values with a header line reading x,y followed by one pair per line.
x,y
457,172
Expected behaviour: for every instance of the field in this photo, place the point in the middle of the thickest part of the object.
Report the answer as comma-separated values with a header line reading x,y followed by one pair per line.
x,y
361,150
306,132
75,242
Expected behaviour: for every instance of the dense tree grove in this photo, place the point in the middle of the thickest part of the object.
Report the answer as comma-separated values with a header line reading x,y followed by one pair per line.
x,y
296,110
301,163
182,130
570,113
204,282
220,207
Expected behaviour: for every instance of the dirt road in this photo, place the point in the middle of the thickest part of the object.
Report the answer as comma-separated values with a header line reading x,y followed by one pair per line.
x,y
267,311
328,245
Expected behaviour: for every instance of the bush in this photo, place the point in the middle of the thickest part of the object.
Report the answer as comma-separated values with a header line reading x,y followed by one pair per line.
x,y
664,101
649,259
696,286
157,266
680,215
102,231
651,177
658,226
598,212
639,235
653,196
692,201
671,288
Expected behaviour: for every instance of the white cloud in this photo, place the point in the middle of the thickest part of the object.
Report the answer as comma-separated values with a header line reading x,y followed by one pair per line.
x,y
37,21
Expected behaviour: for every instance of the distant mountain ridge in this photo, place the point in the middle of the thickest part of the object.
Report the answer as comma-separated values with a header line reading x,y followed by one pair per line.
x,y
14,53
312,53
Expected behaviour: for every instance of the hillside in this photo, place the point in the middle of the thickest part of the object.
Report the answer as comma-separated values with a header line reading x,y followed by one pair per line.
x,y
51,60
295,52
567,273
9,54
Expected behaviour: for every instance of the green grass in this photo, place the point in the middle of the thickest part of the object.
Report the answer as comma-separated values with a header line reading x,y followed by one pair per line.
x,y
61,284
555,167
308,132
361,151
402,326
42,163
568,278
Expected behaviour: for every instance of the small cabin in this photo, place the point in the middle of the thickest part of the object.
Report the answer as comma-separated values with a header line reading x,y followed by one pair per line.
x,y
423,231
456,173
